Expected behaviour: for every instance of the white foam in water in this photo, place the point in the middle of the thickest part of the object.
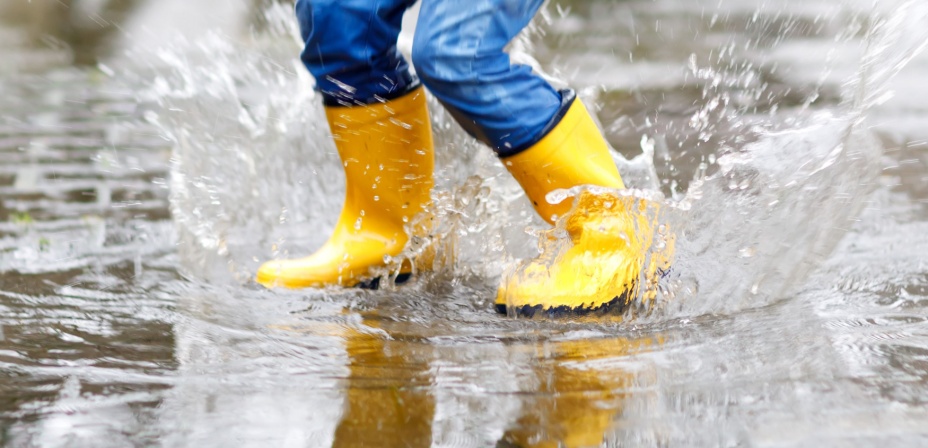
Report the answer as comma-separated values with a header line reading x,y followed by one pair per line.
x,y
256,176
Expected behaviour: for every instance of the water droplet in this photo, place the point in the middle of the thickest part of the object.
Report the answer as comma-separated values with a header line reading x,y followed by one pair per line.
x,y
357,224
400,123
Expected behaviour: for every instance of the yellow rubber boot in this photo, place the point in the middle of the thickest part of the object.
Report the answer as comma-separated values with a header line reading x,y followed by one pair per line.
x,y
388,157
599,267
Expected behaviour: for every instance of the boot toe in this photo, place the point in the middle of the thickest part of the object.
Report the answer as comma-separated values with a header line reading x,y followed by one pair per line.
x,y
270,274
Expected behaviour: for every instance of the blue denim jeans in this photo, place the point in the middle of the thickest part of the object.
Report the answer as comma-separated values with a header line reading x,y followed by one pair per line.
x,y
350,48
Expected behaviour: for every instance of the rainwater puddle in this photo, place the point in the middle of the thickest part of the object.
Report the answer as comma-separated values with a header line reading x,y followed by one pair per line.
x,y
139,197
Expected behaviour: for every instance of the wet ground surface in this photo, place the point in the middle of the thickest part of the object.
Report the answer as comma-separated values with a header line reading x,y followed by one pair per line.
x,y
107,339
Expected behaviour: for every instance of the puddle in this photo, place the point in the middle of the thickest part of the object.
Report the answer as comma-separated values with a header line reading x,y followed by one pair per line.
x,y
139,195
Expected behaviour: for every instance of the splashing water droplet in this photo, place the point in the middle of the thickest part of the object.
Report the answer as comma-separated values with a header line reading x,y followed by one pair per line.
x,y
557,196
400,123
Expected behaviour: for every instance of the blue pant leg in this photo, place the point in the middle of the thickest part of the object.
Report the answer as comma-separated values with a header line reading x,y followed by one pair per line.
x,y
350,48
458,54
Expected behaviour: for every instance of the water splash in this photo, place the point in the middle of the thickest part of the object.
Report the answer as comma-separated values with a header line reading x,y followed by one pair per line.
x,y
781,191
755,229
767,202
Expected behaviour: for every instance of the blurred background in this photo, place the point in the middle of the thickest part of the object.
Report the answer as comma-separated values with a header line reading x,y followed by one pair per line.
x,y
43,33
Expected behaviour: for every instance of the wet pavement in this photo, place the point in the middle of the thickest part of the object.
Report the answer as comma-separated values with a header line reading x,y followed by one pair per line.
x,y
133,210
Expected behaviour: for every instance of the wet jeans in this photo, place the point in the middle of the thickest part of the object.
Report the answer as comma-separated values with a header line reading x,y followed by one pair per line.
x,y
350,48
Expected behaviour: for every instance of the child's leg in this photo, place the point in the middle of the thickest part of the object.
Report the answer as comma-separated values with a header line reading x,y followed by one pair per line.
x,y
458,53
350,48
548,141
379,120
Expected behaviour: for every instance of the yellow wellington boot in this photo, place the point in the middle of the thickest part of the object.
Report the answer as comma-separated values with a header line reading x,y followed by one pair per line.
x,y
598,269
387,153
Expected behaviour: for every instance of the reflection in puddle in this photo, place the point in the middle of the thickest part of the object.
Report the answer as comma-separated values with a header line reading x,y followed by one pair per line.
x,y
581,388
402,389
387,396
